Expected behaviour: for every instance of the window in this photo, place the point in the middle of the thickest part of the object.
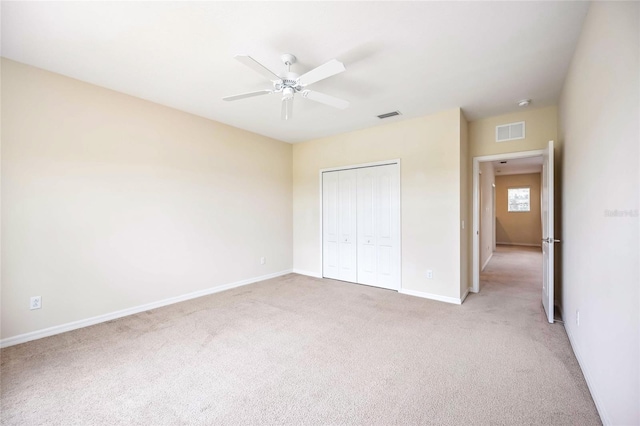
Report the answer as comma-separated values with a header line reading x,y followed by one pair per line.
x,y
519,200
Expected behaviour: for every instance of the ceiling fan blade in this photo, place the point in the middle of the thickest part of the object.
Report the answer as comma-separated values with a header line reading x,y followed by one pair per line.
x,y
246,95
325,99
287,108
258,67
332,67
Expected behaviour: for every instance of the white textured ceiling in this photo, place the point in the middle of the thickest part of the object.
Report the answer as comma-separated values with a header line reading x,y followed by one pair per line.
x,y
415,57
518,166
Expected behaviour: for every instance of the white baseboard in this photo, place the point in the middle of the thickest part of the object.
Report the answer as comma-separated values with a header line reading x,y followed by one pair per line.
x,y
604,416
487,262
307,273
519,244
46,332
431,296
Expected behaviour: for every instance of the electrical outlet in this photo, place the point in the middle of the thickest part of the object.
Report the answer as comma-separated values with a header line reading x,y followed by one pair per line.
x,y
429,274
263,260
35,303
578,317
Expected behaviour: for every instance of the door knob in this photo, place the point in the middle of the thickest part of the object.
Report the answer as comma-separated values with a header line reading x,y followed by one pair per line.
x,y
550,240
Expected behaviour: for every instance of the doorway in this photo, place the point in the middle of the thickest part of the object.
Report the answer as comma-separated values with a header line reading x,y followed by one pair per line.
x,y
517,199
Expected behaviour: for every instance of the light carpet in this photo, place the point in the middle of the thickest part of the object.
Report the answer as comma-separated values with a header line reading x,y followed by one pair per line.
x,y
307,351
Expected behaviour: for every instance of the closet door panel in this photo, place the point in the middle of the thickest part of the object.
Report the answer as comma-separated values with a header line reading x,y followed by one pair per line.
x,y
387,229
385,267
330,231
347,225
367,199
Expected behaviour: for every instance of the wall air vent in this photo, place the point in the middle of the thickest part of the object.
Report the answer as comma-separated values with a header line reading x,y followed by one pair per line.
x,y
389,114
510,132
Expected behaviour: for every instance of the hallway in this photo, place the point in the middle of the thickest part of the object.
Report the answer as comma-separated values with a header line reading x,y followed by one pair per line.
x,y
532,350
514,272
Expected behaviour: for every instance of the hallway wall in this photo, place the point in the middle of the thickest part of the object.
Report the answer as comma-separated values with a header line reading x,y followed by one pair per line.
x,y
487,222
518,228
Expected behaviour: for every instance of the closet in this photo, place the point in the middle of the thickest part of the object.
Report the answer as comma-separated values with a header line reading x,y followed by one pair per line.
x,y
361,225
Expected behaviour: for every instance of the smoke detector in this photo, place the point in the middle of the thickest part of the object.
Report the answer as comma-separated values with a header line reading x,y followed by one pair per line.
x,y
524,102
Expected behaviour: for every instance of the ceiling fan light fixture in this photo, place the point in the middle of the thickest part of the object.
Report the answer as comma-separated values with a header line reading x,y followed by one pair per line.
x,y
287,93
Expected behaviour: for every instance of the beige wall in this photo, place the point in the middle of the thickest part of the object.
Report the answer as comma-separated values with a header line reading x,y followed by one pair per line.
x,y
518,227
600,127
541,127
487,220
429,149
110,202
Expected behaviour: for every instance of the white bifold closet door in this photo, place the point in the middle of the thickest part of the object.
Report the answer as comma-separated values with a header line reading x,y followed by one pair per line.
x,y
339,225
360,217
378,230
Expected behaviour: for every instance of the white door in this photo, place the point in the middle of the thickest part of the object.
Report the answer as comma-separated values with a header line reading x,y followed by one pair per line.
x,y
339,225
348,181
548,239
378,229
330,232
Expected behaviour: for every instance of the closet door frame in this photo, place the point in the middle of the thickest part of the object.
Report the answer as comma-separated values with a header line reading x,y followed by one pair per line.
x,y
399,219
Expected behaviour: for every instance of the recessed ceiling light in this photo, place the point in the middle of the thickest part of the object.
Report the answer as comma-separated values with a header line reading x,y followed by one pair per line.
x,y
524,102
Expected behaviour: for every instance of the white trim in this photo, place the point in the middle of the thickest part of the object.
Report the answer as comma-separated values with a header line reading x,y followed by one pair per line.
x,y
604,416
38,334
307,273
487,262
475,270
454,300
321,217
360,166
518,244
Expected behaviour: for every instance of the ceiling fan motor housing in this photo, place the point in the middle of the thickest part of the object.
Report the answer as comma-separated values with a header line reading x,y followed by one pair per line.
x,y
289,81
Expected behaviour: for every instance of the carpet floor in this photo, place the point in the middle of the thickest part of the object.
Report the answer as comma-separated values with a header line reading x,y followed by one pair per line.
x,y
306,351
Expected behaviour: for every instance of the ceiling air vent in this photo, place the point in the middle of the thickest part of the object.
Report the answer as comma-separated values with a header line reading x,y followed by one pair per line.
x,y
510,132
389,114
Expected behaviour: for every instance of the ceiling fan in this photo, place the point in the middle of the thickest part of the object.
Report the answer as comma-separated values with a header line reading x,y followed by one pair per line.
x,y
290,83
